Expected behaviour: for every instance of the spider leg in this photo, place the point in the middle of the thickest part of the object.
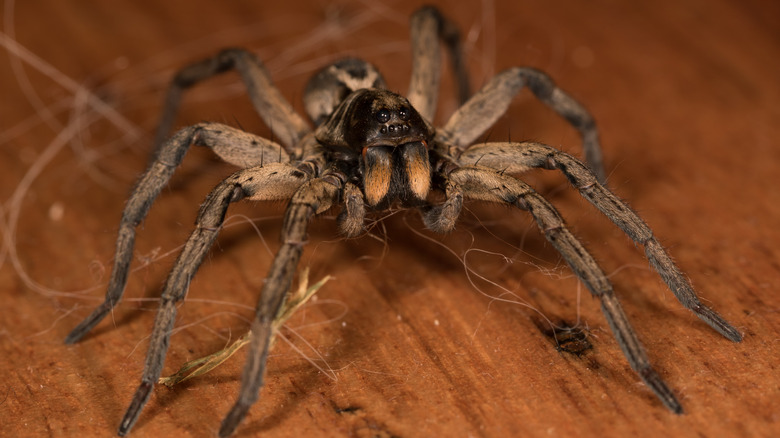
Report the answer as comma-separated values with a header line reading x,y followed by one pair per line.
x,y
441,218
491,185
353,216
516,157
314,197
492,101
428,25
231,144
271,182
278,114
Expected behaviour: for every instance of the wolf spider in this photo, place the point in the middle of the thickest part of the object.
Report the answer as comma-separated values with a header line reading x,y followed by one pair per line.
x,y
372,149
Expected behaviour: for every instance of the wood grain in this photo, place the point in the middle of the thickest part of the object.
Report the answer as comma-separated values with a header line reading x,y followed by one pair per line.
x,y
685,94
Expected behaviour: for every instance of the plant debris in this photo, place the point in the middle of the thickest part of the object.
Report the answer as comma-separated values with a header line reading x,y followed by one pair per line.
x,y
295,300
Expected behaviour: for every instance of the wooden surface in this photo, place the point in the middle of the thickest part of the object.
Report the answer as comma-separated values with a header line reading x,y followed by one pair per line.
x,y
685,93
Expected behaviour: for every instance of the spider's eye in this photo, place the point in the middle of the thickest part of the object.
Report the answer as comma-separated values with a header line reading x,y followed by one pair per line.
x,y
383,116
403,113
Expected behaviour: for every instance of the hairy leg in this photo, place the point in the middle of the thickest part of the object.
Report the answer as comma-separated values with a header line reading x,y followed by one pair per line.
x,y
231,144
442,218
314,197
428,25
492,101
270,182
491,185
516,157
277,113
353,215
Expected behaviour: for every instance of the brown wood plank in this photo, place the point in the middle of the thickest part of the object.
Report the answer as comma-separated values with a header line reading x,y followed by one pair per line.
x,y
685,94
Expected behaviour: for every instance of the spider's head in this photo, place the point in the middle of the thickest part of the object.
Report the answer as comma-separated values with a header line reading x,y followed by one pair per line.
x,y
388,138
382,118
373,117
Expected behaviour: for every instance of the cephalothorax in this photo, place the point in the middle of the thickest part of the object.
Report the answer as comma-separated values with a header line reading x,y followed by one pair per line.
x,y
384,140
372,149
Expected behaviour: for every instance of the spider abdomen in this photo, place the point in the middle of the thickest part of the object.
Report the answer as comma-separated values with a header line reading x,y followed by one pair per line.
x,y
335,82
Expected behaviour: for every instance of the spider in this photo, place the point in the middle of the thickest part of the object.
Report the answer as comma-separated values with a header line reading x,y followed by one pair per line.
x,y
372,149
